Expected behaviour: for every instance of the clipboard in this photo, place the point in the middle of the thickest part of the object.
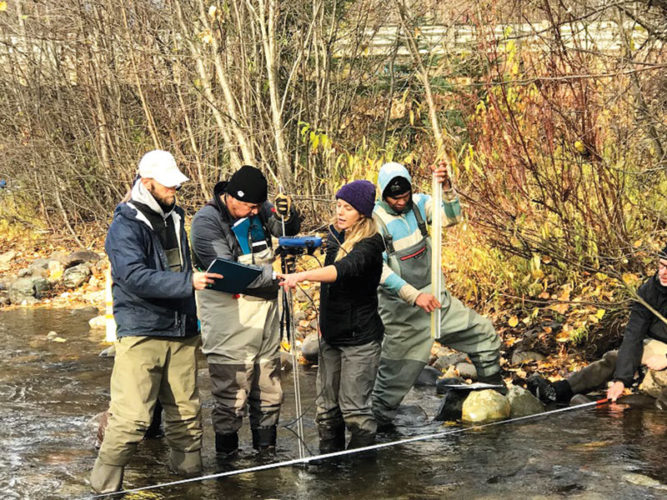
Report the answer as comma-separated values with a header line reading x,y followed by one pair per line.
x,y
237,276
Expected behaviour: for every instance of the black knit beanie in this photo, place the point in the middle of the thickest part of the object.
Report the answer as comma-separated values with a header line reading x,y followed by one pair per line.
x,y
396,187
663,253
248,184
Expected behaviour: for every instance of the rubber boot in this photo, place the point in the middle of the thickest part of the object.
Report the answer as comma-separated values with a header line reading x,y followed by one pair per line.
x,y
359,439
226,445
106,478
495,379
332,439
185,463
264,439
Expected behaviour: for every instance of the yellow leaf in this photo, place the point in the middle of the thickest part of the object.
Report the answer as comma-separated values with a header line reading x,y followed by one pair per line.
x,y
513,321
629,278
600,313
637,243
563,336
3,6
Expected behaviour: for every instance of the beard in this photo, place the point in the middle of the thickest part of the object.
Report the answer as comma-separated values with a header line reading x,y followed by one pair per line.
x,y
166,202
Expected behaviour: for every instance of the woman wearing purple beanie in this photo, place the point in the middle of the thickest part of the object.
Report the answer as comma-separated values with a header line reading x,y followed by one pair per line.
x,y
350,326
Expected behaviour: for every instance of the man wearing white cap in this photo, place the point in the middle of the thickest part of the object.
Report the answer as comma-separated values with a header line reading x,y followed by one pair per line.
x,y
154,308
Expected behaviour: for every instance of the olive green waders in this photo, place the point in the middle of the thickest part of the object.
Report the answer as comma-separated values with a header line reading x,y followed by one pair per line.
x,y
145,369
407,346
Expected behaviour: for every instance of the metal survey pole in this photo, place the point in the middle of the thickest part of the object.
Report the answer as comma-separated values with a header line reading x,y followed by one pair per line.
x,y
436,255
289,318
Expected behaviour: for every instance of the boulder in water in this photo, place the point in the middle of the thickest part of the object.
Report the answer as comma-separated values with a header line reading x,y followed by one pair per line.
x,y
467,370
485,406
522,402
285,361
654,382
98,322
310,347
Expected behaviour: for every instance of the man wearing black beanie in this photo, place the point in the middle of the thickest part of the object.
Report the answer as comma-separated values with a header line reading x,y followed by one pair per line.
x,y
644,343
240,333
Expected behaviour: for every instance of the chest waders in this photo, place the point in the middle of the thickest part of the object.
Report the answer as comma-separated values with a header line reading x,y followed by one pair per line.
x,y
407,343
240,339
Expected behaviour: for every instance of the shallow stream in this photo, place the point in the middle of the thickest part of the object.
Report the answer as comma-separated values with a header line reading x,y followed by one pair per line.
x,y
50,391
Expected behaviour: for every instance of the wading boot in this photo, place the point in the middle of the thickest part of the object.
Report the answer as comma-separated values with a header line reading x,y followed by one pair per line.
x,y
332,439
360,439
185,463
264,440
226,446
549,392
106,478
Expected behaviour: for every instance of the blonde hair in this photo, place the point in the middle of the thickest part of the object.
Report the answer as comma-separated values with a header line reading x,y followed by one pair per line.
x,y
364,228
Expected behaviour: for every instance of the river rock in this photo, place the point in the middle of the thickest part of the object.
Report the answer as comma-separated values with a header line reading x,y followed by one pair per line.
x,y
428,376
25,272
467,370
661,401
447,360
285,361
109,352
40,267
525,357
522,402
75,276
485,406
5,259
21,290
654,382
98,322
80,257
310,347
41,286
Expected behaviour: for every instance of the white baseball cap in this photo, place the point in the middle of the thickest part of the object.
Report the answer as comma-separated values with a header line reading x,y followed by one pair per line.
x,y
161,166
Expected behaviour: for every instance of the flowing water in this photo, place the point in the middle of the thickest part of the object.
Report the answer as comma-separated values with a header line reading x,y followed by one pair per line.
x,y
50,390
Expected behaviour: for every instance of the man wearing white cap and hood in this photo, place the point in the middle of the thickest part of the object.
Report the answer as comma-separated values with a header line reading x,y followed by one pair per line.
x,y
154,308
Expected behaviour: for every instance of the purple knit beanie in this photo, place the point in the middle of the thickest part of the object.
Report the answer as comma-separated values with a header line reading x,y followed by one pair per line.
x,y
359,194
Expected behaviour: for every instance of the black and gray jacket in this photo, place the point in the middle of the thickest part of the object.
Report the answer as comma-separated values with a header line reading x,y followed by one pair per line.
x,y
212,236
349,306
642,324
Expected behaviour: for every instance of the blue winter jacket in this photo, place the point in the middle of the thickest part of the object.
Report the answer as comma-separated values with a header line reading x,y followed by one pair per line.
x,y
148,299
